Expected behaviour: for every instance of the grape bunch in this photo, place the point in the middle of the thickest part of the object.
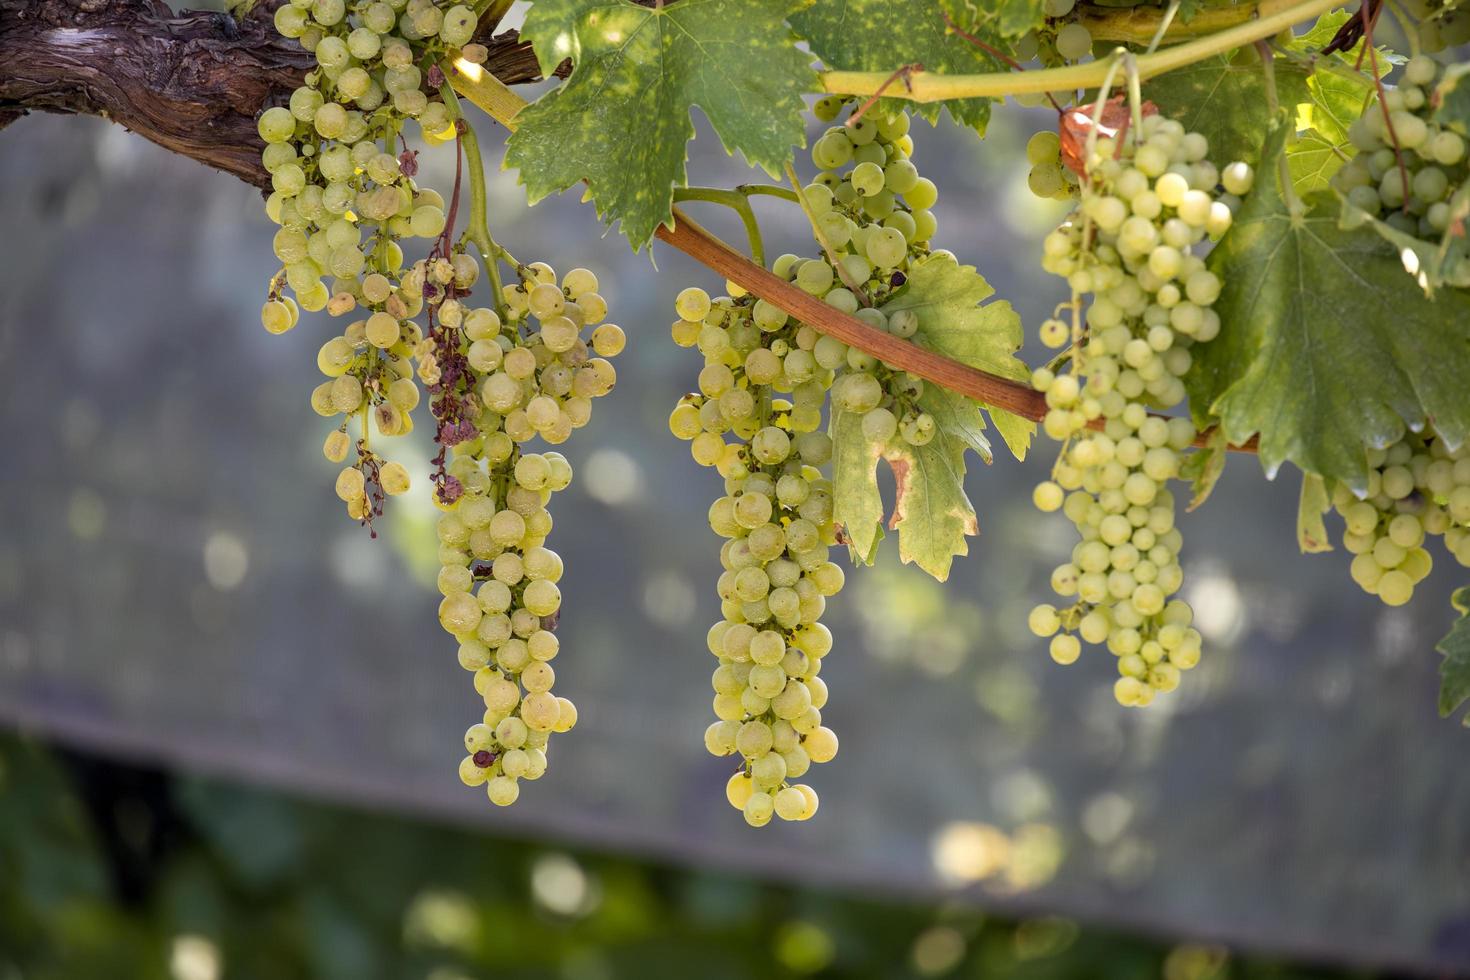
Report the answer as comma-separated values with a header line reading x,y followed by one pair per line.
x,y
1148,201
344,198
1417,488
498,384
1407,166
776,519
872,208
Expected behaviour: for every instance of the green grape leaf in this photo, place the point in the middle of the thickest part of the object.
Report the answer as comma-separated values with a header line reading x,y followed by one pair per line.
x,y
931,512
1313,160
1454,670
880,35
1224,97
1006,18
856,503
621,119
1204,467
1430,264
1337,96
955,320
1311,532
1336,101
1326,347
1451,99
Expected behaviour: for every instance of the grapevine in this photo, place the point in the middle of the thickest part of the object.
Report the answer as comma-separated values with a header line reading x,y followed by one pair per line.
x,y
878,345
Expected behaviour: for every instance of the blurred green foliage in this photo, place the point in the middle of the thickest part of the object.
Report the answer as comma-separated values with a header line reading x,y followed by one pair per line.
x,y
109,871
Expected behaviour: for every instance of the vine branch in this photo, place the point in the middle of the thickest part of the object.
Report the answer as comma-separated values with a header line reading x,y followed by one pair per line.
x,y
737,200
924,86
193,82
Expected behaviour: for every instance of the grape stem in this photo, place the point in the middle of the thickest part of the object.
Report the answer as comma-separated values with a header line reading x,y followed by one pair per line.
x,y
925,86
1165,22
1273,105
806,208
477,228
902,73
1017,397
1369,22
736,201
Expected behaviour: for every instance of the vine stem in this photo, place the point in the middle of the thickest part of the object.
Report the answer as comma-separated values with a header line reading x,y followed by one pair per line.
x,y
1165,22
737,201
924,86
1017,397
477,228
997,54
1273,106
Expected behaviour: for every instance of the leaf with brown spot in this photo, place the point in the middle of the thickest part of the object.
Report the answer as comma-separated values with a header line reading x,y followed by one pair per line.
x,y
1076,125
931,513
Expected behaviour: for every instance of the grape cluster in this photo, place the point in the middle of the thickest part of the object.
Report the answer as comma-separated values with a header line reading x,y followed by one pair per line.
x,y
1407,166
1417,488
344,198
498,384
776,517
1147,203
872,209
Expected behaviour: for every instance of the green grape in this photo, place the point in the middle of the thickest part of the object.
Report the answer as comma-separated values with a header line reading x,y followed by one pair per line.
x,y
1043,147
497,380
1045,180
1074,42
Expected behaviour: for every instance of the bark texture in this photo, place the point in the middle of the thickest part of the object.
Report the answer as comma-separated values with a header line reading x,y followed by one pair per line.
x,y
193,82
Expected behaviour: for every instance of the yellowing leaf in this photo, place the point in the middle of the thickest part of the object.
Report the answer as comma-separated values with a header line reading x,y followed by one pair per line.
x,y
1311,532
1454,670
932,514
955,320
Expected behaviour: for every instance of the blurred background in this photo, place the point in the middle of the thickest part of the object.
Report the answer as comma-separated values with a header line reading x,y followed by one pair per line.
x,y
234,721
